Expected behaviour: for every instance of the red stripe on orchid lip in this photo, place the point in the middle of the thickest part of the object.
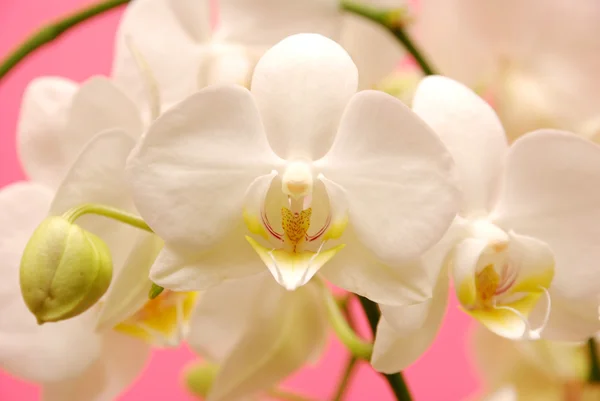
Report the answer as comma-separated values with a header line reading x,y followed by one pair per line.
x,y
509,277
265,221
319,233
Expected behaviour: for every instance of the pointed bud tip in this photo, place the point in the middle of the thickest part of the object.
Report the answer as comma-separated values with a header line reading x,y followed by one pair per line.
x,y
64,270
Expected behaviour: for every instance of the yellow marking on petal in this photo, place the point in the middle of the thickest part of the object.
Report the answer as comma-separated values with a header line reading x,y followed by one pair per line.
x,y
487,282
295,225
336,229
293,269
466,291
254,224
533,283
505,322
161,320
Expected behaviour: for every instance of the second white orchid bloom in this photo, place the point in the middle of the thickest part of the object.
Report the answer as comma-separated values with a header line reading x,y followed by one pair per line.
x,y
525,257
298,166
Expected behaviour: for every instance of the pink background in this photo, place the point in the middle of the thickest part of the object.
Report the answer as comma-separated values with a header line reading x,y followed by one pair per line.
x,y
444,373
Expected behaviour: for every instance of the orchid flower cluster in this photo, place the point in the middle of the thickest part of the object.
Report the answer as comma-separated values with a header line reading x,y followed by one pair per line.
x,y
219,184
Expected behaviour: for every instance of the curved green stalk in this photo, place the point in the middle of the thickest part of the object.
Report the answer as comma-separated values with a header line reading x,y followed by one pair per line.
x,y
106,211
356,345
52,31
392,21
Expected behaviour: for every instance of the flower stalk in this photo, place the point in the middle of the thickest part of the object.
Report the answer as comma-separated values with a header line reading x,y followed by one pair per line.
x,y
396,381
392,20
357,346
52,31
594,373
106,211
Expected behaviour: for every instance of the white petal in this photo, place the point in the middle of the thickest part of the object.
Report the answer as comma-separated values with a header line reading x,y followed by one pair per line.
x,y
552,193
233,257
570,319
222,314
373,48
27,349
301,86
470,129
355,269
397,175
535,262
170,35
98,106
129,290
494,356
191,170
97,176
286,330
122,361
266,22
41,129
398,346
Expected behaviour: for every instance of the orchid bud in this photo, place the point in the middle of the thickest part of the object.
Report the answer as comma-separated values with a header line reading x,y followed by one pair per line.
x,y
64,270
199,378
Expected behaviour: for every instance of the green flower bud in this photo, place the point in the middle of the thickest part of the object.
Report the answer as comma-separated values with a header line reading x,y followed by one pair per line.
x,y
199,378
64,270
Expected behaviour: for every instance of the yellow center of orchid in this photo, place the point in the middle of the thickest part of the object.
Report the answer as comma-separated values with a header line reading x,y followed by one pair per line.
x,y
486,283
162,321
296,254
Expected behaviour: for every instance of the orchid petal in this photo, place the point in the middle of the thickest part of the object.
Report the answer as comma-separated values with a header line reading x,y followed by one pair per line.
x,y
171,35
191,171
41,129
301,86
293,270
552,193
471,131
129,290
100,105
233,257
275,344
534,261
415,327
397,175
222,314
122,361
97,176
26,348
570,319
355,269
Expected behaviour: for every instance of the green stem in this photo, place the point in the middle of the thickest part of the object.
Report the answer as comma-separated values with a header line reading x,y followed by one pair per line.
x,y
356,345
396,381
106,211
392,20
594,375
52,31
346,375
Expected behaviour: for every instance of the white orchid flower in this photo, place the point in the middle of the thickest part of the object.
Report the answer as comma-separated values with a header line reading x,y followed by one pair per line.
x,y
57,120
522,54
303,161
258,333
522,249
536,371
185,57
